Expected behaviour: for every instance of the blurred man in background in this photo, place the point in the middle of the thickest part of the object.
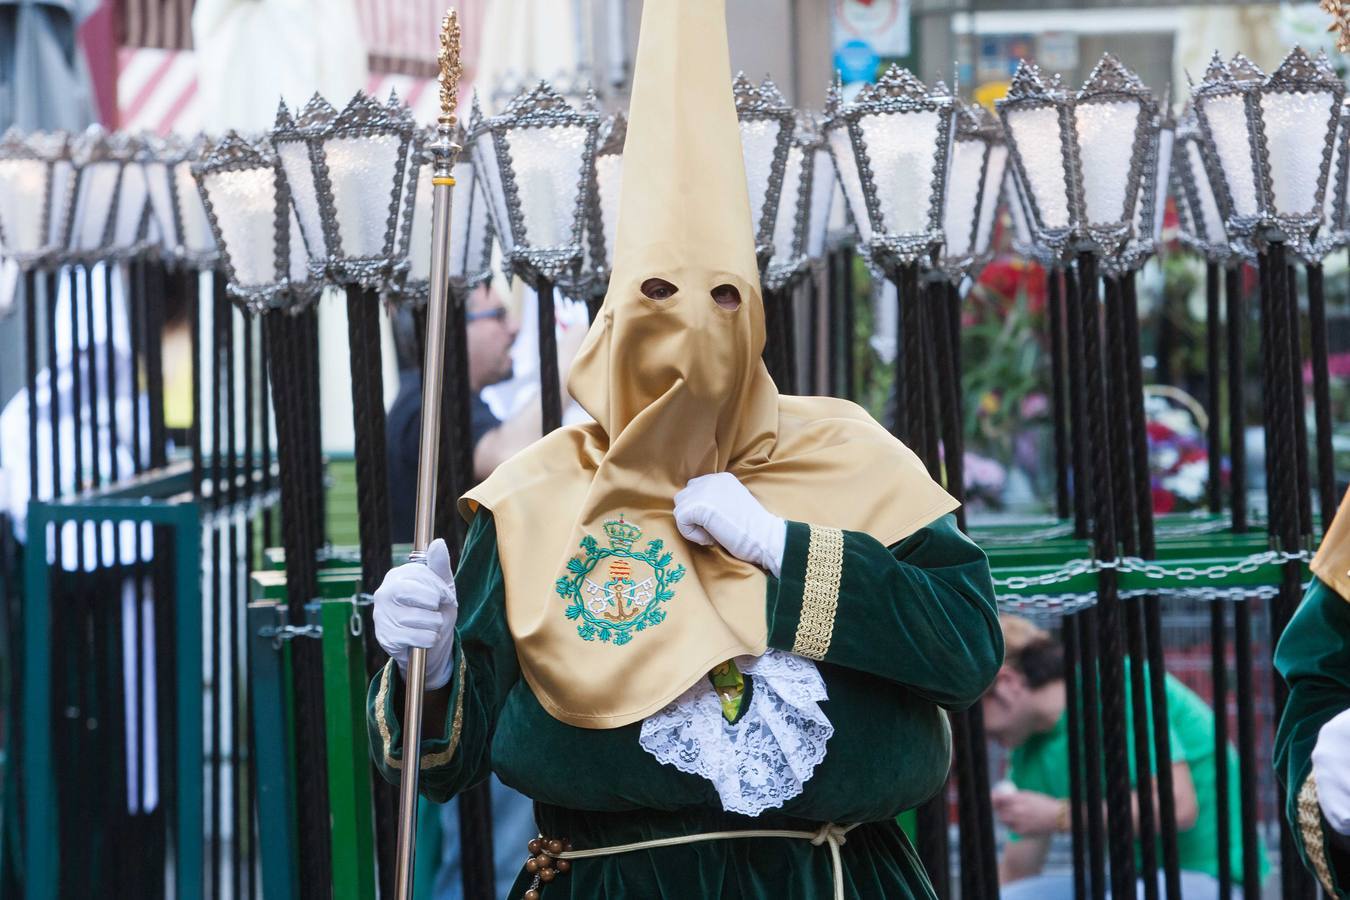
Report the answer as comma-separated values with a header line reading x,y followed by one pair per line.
x,y
1025,711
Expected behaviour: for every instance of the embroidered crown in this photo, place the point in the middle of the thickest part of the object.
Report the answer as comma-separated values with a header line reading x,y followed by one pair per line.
x,y
622,534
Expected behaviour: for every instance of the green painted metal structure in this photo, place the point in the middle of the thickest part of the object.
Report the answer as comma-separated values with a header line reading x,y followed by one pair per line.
x,y
162,498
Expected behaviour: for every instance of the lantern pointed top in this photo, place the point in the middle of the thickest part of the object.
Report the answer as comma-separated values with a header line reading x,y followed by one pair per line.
x,y
45,145
475,112
365,112
834,97
591,102
1027,84
1110,76
234,151
541,100
284,118
761,99
97,144
897,83
315,114
1300,72
1243,69
613,133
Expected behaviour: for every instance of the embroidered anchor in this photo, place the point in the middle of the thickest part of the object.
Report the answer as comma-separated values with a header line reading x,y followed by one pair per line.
x,y
614,606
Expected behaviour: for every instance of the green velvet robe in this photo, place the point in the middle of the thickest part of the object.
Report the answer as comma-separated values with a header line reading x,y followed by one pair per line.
x,y
915,631
1313,656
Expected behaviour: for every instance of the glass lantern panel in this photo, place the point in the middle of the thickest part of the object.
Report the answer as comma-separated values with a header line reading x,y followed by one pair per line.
x,y
1017,211
1208,216
463,200
1106,141
297,269
486,162
785,220
295,163
245,206
1036,133
963,188
131,200
161,201
94,205
841,148
411,171
759,141
1227,120
23,189
822,198
478,260
1161,182
196,238
994,174
547,166
62,204
1296,130
609,181
362,172
901,150
419,240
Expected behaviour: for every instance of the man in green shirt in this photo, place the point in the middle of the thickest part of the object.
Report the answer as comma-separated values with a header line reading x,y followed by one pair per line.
x,y
1025,710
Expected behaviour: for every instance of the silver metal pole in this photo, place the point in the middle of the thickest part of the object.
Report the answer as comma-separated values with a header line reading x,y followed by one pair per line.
x,y
444,150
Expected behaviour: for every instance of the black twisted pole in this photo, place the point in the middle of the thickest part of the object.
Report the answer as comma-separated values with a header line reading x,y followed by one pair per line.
x,y
1326,460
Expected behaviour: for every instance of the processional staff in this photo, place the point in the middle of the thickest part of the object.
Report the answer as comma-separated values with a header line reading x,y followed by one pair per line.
x,y
443,152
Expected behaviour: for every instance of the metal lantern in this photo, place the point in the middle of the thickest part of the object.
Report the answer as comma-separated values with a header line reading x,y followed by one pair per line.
x,y
1039,129
848,215
37,191
1150,201
248,204
347,172
470,256
1272,138
766,125
1202,224
100,159
899,135
1019,214
790,258
602,222
995,172
1115,120
132,232
536,160
175,202
967,217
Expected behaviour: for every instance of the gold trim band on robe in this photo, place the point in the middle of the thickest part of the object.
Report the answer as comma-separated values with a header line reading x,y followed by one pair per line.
x,y
820,593
1310,827
429,760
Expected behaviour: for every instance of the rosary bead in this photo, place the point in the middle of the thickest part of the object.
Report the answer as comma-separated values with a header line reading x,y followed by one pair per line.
x,y
563,866
535,846
547,875
532,865
555,846
532,894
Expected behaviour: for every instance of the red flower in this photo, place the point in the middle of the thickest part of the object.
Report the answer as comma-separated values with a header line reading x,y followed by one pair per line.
x,y
1164,501
1159,432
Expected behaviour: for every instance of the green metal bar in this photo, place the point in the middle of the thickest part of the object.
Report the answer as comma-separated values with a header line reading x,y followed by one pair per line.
x,y
41,853
188,638
272,751
349,782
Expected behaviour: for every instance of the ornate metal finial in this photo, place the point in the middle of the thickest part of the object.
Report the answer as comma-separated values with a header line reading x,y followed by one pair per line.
x,y
1339,10
1110,77
450,68
613,133
1243,69
1300,72
1027,84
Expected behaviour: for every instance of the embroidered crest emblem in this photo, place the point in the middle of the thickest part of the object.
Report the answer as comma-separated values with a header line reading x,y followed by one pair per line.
x,y
616,591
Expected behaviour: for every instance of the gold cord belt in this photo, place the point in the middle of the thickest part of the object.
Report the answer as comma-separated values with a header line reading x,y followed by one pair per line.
x,y
830,833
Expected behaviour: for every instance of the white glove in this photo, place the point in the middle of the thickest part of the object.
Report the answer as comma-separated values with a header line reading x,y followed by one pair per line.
x,y
1331,766
416,607
718,509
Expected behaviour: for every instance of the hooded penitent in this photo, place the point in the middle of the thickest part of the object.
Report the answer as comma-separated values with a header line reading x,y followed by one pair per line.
x,y
612,612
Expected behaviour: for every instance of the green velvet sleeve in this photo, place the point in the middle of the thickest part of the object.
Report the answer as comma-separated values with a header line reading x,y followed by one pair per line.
x,y
920,613
484,670
1313,656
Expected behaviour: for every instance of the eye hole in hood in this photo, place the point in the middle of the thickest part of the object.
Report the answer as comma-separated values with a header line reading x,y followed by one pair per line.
x,y
659,289
727,296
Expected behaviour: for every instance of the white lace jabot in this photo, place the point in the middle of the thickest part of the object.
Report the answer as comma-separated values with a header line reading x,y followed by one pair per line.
x,y
764,759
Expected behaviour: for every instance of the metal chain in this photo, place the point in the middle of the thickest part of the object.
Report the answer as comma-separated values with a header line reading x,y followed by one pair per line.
x,y
282,633
356,624
1059,605
1025,537
1131,564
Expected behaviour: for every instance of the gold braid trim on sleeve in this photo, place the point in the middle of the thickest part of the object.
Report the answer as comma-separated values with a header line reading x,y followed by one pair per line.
x,y
429,760
820,594
1310,826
